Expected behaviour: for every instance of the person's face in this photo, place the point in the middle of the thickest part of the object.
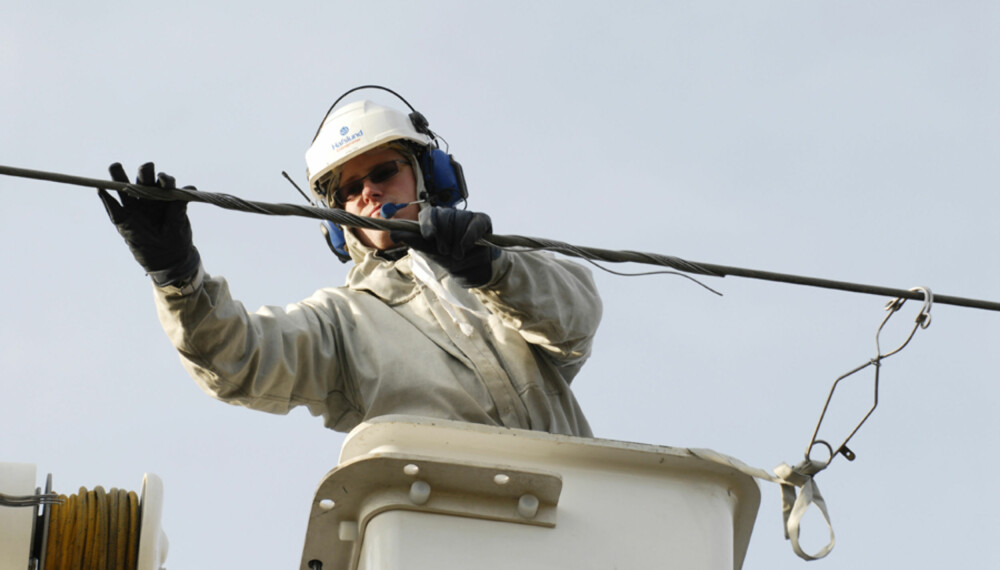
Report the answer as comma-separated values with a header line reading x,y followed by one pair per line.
x,y
368,201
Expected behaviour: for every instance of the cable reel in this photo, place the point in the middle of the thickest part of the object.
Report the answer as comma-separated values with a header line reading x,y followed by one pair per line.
x,y
90,530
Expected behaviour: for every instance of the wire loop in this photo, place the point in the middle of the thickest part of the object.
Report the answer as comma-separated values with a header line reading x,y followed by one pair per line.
x,y
813,444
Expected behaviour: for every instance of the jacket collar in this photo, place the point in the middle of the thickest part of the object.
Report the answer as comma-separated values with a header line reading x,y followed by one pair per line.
x,y
385,274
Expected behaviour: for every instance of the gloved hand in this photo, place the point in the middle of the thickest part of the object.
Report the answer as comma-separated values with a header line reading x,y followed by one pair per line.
x,y
157,232
448,236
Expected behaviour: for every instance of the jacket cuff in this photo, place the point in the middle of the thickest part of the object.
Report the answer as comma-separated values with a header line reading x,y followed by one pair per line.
x,y
182,271
184,287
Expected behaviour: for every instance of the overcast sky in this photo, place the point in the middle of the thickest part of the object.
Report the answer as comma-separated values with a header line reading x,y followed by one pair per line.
x,y
850,140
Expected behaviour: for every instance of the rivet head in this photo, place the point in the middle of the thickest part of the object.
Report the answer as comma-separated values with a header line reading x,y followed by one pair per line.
x,y
327,504
420,491
501,479
411,470
527,506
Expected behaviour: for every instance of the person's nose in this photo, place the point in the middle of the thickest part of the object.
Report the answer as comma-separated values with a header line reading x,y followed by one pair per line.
x,y
371,191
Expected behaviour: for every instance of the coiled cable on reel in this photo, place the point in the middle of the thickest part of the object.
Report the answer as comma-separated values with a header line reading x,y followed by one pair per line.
x,y
93,530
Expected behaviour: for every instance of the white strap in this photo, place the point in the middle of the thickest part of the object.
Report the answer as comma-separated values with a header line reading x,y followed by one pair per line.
x,y
793,505
423,272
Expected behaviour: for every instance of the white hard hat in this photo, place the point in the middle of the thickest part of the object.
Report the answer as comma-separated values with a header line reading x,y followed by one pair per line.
x,y
351,131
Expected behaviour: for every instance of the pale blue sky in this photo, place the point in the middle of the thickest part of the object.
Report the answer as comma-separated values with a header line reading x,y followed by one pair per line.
x,y
851,140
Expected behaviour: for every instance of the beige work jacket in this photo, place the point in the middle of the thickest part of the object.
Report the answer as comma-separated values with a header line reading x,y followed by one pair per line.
x,y
392,342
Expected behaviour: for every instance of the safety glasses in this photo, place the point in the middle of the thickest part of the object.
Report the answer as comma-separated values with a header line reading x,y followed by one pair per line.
x,y
377,175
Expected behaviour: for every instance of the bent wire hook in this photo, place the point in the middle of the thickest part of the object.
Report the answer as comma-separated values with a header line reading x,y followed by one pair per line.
x,y
922,321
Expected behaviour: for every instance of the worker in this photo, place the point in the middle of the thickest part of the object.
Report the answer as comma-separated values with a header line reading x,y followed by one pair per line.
x,y
430,323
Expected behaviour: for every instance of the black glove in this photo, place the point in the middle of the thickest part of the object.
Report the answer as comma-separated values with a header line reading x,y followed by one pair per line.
x,y
448,236
157,232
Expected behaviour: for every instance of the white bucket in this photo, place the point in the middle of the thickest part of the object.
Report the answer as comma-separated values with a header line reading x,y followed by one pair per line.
x,y
416,494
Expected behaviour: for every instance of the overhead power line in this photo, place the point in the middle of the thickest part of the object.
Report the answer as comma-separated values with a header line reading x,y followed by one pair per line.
x,y
341,217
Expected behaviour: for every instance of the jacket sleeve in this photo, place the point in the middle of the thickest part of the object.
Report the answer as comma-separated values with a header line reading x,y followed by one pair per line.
x,y
553,303
271,360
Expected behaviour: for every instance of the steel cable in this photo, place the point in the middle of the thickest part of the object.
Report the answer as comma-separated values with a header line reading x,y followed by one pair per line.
x,y
343,218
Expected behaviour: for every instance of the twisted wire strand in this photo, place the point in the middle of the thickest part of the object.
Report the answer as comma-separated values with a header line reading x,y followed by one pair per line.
x,y
592,254
230,202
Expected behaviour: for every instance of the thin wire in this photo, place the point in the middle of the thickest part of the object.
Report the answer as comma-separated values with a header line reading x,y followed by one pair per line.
x,y
304,195
582,254
594,254
29,500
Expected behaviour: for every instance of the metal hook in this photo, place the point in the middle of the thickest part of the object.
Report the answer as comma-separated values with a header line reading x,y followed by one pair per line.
x,y
922,320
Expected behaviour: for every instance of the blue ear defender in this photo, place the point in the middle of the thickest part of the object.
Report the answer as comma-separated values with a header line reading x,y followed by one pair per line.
x,y
335,239
443,177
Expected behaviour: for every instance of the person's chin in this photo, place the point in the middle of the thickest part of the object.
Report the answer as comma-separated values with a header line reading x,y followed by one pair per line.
x,y
381,241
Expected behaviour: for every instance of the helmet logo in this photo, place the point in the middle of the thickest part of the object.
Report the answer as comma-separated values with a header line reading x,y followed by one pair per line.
x,y
347,139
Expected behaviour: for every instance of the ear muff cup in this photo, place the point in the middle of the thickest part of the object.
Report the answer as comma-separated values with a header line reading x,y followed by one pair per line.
x,y
443,177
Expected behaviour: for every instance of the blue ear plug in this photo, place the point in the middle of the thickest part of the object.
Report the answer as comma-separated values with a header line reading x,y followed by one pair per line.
x,y
389,210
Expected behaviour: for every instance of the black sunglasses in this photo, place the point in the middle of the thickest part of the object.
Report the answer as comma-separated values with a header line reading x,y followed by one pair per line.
x,y
379,174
